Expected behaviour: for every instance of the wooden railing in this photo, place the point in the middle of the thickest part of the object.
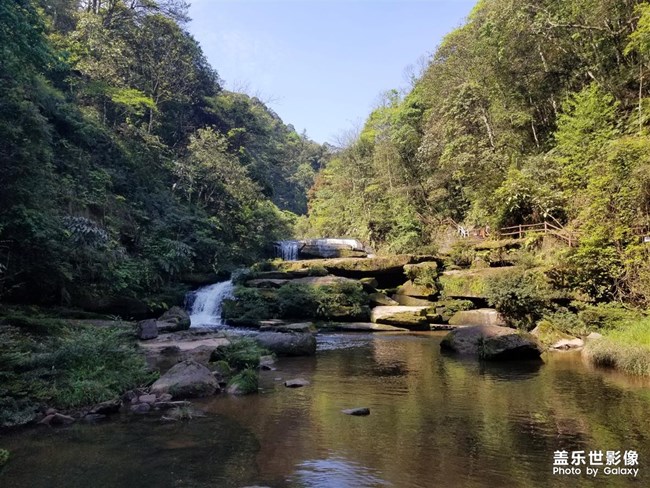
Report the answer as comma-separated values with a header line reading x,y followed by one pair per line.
x,y
519,231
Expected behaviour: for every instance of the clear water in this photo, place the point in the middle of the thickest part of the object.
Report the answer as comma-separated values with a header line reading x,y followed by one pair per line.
x,y
436,421
206,307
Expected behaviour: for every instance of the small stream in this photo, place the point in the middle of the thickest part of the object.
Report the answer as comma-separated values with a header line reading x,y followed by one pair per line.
x,y
436,421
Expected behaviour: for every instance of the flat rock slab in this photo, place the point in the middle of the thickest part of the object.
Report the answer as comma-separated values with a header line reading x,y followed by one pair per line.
x,y
482,316
287,343
286,327
492,342
412,318
296,383
566,344
363,327
359,412
358,267
267,283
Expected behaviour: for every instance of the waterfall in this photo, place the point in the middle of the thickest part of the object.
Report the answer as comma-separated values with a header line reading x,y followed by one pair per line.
x,y
287,250
205,309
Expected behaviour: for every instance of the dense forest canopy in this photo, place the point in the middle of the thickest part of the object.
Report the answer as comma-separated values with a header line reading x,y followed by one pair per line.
x,y
532,111
125,165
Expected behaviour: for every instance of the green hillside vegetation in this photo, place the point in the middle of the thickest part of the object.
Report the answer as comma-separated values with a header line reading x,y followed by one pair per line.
x,y
125,165
532,111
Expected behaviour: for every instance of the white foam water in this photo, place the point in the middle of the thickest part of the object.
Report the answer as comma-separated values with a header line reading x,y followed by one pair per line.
x,y
206,308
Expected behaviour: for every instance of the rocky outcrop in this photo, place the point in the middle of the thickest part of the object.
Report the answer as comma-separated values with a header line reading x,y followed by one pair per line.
x,y
287,344
492,342
412,289
412,318
166,350
470,283
380,299
481,316
174,319
412,301
187,379
379,268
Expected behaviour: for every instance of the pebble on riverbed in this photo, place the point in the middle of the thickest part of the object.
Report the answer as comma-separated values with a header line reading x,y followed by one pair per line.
x,y
359,412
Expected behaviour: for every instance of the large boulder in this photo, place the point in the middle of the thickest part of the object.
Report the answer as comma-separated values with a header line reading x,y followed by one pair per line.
x,y
287,344
412,318
147,329
412,289
412,301
422,271
492,342
482,316
174,319
187,379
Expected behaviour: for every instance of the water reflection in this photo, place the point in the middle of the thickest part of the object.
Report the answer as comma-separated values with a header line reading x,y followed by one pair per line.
x,y
436,420
335,472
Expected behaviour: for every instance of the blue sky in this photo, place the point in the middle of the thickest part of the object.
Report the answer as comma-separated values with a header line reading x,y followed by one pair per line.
x,y
321,64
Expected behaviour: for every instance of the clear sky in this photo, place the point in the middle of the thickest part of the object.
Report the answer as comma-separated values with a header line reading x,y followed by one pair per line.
x,y
321,64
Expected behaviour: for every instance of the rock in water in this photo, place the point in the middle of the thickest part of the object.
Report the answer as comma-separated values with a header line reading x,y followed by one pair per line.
x,y
187,379
296,383
492,342
174,319
413,318
359,412
288,344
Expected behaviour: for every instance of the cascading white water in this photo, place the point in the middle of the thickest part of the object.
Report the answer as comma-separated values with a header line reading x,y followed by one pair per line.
x,y
206,308
288,250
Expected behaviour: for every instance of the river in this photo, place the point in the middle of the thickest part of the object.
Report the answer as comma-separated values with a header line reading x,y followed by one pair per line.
x,y
436,421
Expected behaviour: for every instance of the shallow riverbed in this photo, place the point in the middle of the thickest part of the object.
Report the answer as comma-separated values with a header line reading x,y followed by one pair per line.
x,y
435,421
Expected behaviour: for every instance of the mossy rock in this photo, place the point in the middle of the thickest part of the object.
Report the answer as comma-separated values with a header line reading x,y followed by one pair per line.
x,y
470,283
358,267
547,334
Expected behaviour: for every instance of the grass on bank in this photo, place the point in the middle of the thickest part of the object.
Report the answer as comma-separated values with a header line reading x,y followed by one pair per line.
x,y
626,348
64,367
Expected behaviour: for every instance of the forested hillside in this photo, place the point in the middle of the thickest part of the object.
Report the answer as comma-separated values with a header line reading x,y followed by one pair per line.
x,y
124,164
532,111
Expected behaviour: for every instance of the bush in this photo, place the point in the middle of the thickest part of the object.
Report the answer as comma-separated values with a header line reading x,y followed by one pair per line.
x,y
339,300
242,353
246,382
521,297
250,305
462,254
93,365
607,316
4,457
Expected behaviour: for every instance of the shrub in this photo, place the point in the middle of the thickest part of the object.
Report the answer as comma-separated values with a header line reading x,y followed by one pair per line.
x,y
249,305
93,365
521,297
247,381
462,254
4,457
242,353
607,316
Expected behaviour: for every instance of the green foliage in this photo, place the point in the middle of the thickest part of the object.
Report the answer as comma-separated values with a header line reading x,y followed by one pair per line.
x,y
521,297
249,305
339,300
626,348
242,353
4,457
246,381
146,169
607,316
76,367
